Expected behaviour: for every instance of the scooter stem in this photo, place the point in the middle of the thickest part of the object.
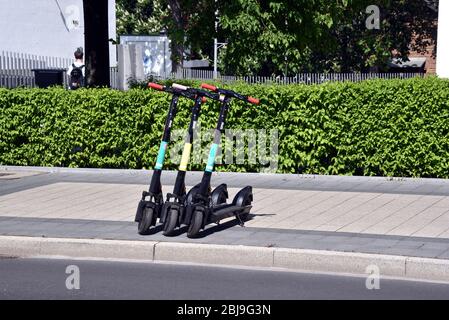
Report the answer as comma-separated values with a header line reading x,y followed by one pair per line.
x,y
155,185
205,182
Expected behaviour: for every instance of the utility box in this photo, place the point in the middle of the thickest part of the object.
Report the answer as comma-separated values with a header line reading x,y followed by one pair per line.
x,y
130,64
155,53
45,78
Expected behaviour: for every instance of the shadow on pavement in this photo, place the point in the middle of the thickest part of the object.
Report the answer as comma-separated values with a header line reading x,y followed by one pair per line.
x,y
229,224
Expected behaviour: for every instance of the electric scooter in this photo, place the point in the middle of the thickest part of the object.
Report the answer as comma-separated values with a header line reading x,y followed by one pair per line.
x,y
174,207
203,210
149,207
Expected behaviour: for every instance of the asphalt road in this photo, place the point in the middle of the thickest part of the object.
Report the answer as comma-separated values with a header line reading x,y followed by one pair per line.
x,y
46,279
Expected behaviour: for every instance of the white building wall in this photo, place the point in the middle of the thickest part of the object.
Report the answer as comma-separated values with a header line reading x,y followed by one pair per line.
x,y
47,27
443,39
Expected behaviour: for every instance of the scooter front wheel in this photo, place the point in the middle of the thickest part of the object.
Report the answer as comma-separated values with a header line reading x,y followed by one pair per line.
x,y
170,222
245,216
145,223
195,224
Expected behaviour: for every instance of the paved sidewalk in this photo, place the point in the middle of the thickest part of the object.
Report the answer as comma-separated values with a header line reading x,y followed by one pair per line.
x,y
359,205
355,214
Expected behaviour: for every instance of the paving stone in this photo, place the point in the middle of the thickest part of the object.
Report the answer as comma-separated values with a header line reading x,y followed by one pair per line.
x,y
335,239
406,252
357,241
308,238
286,237
379,246
409,244
428,253
444,255
435,246
5,225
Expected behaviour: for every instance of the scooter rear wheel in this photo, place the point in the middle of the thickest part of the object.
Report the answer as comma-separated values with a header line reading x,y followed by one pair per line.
x,y
145,223
245,216
195,224
221,199
171,222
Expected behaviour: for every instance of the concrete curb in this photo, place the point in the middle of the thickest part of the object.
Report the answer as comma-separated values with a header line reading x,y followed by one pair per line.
x,y
77,248
73,170
249,256
280,176
13,175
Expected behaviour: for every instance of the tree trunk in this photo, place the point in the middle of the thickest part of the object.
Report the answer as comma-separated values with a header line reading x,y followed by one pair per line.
x,y
177,40
96,38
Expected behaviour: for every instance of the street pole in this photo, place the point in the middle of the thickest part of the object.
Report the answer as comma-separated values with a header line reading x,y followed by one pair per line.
x,y
217,45
215,57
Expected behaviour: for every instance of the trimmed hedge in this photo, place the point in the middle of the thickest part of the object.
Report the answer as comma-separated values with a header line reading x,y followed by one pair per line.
x,y
378,127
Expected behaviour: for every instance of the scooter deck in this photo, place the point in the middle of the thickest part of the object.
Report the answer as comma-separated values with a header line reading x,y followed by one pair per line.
x,y
227,211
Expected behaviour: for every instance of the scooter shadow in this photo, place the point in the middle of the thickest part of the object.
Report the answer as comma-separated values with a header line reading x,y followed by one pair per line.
x,y
154,230
262,215
222,226
208,231
178,232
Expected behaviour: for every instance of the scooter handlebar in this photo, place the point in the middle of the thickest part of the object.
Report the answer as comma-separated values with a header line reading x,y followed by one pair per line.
x,y
176,89
197,92
209,87
179,87
230,93
155,86
185,88
253,100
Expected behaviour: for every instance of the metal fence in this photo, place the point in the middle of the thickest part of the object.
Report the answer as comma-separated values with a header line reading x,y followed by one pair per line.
x,y
302,78
16,69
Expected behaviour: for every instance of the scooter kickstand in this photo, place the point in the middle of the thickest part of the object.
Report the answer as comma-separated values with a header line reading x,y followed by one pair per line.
x,y
241,222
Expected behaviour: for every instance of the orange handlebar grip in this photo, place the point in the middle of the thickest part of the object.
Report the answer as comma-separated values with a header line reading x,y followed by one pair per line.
x,y
253,100
155,86
208,87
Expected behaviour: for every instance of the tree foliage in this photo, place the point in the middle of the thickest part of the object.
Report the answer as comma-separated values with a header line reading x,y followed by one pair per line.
x,y
140,17
284,37
187,22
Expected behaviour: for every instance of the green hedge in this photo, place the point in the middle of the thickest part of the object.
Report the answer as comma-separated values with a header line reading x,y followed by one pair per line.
x,y
379,127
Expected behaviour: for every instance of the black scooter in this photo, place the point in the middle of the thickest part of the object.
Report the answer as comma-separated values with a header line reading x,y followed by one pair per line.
x,y
173,210
205,208
149,208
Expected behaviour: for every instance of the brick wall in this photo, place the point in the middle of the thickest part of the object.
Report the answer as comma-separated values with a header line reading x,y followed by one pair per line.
x,y
430,61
